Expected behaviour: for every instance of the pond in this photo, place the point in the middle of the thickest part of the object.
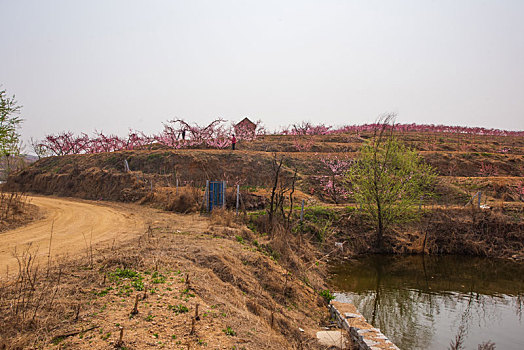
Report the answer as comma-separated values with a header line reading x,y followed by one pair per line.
x,y
422,302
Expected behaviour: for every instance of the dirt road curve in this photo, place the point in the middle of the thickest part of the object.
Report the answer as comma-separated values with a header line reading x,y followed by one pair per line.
x,y
71,221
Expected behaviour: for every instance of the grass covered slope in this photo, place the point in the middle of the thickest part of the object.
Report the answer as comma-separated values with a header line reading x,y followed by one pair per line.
x,y
245,299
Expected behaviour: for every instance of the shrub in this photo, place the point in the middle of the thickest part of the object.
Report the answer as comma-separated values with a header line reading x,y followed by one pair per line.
x,y
11,204
187,201
327,295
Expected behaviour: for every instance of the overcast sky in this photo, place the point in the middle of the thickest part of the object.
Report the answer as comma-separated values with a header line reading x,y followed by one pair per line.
x,y
114,65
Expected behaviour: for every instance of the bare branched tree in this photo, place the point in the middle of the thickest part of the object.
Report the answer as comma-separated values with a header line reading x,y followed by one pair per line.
x,y
283,189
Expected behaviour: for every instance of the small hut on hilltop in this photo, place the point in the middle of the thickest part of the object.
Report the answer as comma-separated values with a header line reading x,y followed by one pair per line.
x,y
245,129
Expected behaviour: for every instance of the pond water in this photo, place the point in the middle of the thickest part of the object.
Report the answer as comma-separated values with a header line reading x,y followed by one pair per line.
x,y
425,302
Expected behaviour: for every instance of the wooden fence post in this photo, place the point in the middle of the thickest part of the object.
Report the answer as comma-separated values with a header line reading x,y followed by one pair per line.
x,y
238,193
480,195
205,202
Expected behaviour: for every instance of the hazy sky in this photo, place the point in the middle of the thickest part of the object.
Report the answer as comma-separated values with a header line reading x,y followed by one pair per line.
x,y
114,65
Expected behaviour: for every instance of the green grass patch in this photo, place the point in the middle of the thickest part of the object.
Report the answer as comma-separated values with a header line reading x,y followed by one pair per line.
x,y
127,280
178,309
157,278
229,331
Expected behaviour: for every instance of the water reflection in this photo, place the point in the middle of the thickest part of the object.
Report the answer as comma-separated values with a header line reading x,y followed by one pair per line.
x,y
422,303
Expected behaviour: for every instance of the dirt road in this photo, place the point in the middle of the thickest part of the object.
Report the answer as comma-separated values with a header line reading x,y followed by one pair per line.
x,y
73,223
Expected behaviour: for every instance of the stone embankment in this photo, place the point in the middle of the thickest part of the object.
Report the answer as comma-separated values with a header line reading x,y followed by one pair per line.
x,y
363,335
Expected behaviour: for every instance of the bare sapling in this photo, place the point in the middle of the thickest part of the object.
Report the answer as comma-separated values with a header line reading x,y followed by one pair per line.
x,y
49,251
277,165
290,213
30,292
285,289
77,311
120,341
192,326
12,203
89,249
135,308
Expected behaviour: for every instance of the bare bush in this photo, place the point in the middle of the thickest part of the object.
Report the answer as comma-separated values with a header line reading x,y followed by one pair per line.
x,y
12,203
23,299
185,200
283,188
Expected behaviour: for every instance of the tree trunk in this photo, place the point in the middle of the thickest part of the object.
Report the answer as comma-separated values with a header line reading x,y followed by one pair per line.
x,y
272,209
334,190
380,228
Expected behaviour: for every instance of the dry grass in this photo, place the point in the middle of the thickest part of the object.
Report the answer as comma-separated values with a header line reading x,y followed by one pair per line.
x,y
475,232
15,210
298,254
187,199
224,217
12,204
26,298
466,231
497,232
82,303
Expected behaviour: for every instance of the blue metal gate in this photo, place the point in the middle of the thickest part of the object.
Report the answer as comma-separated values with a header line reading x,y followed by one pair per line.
x,y
216,194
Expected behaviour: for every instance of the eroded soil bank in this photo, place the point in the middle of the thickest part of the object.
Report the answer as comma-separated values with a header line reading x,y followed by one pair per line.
x,y
495,232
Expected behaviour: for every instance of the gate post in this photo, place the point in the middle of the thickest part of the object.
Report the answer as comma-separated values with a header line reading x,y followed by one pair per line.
x,y
206,196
